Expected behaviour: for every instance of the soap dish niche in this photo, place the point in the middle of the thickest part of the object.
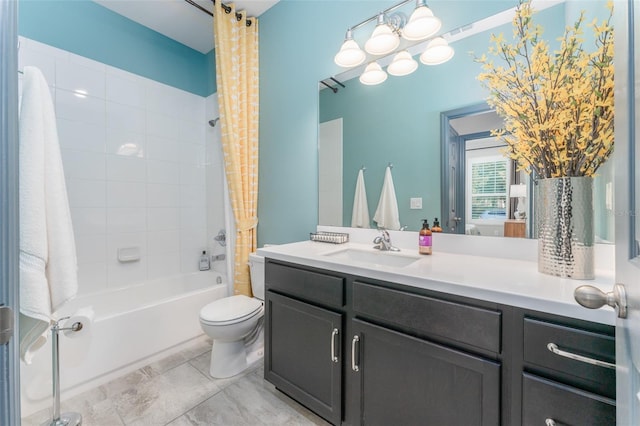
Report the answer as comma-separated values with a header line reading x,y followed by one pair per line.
x,y
128,254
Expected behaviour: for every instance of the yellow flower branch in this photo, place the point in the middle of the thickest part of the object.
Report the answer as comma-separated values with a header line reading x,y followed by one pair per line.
x,y
557,107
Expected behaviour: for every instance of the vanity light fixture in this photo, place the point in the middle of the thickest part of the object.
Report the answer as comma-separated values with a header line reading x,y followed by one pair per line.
x,y
350,54
373,74
402,64
438,52
422,24
386,39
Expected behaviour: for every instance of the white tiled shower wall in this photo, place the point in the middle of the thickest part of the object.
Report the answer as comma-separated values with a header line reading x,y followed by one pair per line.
x,y
138,157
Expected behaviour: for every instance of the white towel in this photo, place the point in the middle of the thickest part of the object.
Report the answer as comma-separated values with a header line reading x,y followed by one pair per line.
x,y
48,265
387,216
360,214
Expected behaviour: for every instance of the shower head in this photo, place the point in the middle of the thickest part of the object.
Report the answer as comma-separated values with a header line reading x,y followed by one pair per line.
x,y
213,122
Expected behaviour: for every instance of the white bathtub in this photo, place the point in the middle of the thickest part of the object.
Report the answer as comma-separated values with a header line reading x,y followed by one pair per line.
x,y
132,327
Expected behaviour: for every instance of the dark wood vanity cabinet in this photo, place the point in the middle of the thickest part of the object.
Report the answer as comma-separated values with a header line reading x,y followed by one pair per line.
x,y
404,380
363,352
300,360
303,336
404,377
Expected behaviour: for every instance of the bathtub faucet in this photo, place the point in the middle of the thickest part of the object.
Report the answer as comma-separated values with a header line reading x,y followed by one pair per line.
x,y
221,238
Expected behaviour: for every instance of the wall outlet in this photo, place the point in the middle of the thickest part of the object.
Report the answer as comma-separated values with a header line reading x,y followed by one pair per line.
x,y
415,203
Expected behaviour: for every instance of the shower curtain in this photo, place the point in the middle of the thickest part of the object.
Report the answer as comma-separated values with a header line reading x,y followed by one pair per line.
x,y
237,75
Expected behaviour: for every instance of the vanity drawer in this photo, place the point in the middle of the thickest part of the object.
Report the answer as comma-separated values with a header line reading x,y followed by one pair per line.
x,y
454,322
570,340
543,399
304,284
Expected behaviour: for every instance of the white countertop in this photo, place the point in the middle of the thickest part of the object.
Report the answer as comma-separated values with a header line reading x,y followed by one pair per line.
x,y
506,281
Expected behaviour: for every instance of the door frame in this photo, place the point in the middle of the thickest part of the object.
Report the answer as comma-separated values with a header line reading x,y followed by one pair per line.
x,y
452,154
9,219
450,151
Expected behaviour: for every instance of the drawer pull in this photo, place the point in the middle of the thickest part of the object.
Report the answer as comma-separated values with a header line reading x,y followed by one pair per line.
x,y
550,422
354,343
556,350
334,334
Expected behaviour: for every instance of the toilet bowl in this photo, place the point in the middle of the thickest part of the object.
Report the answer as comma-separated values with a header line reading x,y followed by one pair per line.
x,y
231,320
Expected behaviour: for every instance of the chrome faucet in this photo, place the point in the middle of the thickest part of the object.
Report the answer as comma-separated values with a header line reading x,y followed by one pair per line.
x,y
383,242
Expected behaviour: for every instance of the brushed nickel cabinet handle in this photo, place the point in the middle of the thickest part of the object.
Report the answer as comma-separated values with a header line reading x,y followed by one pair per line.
x,y
556,350
354,343
334,334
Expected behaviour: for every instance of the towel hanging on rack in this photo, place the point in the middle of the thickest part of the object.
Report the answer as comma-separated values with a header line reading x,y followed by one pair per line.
x,y
386,215
48,265
360,214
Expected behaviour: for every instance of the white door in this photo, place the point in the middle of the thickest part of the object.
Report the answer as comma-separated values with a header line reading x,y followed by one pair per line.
x,y
330,173
627,182
627,219
9,382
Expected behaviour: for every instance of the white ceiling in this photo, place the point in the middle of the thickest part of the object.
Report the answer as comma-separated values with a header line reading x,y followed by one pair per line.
x,y
179,20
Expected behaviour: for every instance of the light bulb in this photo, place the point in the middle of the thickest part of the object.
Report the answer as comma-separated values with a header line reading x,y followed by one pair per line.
x,y
438,52
350,53
383,40
373,74
402,64
422,23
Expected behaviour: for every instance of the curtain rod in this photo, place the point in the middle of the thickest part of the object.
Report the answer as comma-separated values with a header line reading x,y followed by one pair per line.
x,y
226,8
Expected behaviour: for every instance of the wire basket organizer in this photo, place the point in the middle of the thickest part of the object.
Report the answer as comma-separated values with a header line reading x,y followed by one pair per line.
x,y
329,237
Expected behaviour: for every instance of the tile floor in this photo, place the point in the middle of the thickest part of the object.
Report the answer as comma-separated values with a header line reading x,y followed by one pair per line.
x,y
178,391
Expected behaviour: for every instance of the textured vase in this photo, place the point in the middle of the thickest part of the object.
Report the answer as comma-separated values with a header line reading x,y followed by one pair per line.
x,y
565,227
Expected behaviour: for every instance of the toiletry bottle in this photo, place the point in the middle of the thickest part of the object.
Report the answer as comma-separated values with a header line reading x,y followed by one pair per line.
x,y
205,264
424,241
436,226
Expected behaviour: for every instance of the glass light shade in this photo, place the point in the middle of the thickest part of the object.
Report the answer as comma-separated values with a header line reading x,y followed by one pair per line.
x,y
422,24
438,52
383,40
402,64
373,74
350,54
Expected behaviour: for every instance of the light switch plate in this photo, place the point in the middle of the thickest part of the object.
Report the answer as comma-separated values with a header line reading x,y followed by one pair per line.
x,y
415,203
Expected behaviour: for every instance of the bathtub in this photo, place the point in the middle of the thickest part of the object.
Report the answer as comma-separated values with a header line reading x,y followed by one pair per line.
x,y
132,327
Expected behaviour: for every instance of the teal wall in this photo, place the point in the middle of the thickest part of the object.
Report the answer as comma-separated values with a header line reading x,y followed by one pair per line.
x,y
298,40
398,122
88,29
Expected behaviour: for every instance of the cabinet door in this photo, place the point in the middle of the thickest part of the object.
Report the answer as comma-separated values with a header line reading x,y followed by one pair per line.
x,y
303,357
408,381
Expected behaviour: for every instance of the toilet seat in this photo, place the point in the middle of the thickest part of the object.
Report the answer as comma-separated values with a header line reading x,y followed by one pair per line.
x,y
230,310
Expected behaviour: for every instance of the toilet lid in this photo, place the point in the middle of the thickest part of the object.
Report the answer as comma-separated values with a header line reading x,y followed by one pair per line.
x,y
230,308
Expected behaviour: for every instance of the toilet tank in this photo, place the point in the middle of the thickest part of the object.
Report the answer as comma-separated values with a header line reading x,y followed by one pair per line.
x,y
256,267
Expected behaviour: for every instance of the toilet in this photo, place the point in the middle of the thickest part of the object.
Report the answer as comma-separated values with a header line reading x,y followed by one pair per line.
x,y
233,321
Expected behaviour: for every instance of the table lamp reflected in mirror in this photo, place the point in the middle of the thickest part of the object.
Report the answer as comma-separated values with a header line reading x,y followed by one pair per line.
x,y
519,192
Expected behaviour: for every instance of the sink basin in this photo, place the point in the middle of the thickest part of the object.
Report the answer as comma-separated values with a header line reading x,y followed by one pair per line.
x,y
380,258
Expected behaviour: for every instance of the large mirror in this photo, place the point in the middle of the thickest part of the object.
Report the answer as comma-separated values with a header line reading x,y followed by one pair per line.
x,y
400,123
